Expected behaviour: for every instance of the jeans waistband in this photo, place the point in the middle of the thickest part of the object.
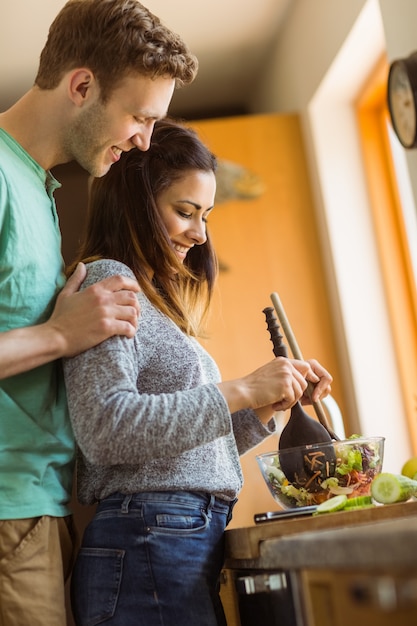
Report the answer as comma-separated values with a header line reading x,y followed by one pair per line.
x,y
205,501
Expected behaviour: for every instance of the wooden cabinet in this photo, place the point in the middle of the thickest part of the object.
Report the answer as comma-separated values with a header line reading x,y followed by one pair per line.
x,y
322,598
351,568
334,598
229,598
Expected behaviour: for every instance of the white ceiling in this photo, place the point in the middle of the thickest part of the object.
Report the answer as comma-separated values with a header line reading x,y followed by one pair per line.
x,y
230,38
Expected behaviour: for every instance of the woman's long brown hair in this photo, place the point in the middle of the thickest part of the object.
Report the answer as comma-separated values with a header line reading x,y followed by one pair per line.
x,y
124,224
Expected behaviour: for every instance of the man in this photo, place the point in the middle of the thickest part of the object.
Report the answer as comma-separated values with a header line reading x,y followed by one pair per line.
x,y
106,74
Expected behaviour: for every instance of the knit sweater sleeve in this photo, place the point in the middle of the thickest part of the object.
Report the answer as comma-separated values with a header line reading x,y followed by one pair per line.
x,y
248,431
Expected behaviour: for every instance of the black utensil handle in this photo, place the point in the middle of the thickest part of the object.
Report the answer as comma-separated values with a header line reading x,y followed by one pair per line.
x,y
279,347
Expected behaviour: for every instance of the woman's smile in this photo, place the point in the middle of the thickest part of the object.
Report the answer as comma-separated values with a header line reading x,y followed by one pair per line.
x,y
185,207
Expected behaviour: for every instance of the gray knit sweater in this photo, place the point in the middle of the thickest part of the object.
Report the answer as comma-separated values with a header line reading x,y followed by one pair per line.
x,y
148,415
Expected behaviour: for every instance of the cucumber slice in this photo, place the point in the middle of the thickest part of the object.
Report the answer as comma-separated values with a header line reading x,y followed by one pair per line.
x,y
358,502
360,508
337,503
388,488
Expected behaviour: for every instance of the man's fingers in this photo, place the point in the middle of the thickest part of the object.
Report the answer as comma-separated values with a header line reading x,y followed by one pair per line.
x,y
74,282
119,283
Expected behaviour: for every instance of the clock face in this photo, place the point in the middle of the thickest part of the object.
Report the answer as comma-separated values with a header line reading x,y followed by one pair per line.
x,y
401,104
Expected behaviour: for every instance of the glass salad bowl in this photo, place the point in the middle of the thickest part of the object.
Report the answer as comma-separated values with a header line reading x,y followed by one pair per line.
x,y
356,461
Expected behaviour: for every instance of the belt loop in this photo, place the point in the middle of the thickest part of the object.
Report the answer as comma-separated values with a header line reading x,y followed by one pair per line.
x,y
125,504
210,504
231,507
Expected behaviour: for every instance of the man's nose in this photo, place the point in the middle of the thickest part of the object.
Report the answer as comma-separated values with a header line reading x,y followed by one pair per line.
x,y
142,139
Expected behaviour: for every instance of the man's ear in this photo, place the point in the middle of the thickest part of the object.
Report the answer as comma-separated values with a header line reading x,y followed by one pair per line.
x,y
81,82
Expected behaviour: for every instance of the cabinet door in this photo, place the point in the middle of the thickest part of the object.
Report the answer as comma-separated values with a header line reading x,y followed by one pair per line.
x,y
356,598
229,598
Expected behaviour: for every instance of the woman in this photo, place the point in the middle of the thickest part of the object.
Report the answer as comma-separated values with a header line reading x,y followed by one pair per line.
x,y
159,434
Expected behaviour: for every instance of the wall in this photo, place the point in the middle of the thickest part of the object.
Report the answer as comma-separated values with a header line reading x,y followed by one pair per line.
x,y
400,19
318,67
71,200
309,40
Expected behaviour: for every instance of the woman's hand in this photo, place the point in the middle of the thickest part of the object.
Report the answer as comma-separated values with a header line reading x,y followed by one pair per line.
x,y
322,388
278,385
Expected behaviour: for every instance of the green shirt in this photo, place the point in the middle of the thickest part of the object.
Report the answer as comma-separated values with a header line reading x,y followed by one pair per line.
x,y
36,441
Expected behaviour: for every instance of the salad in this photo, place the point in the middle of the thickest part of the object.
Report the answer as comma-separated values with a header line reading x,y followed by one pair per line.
x,y
358,461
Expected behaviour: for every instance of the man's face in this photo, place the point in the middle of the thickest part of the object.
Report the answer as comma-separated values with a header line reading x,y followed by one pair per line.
x,y
102,131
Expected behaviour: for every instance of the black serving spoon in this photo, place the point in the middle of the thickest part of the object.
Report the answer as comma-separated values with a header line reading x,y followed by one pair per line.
x,y
304,462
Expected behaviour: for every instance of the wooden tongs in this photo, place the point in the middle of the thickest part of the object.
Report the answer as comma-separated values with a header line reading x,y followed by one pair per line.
x,y
292,342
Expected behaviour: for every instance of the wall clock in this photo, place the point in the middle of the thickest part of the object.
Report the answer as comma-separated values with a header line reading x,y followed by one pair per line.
x,y
402,99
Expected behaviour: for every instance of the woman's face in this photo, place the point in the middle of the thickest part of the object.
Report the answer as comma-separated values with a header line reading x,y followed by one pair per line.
x,y
184,208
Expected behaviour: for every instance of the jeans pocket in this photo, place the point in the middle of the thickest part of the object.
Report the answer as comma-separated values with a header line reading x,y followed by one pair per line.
x,y
180,523
95,585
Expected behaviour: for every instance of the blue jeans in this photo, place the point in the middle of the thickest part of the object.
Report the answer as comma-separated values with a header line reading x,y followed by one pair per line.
x,y
152,559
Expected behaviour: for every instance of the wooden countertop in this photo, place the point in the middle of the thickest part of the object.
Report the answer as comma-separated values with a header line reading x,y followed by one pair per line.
x,y
384,545
380,535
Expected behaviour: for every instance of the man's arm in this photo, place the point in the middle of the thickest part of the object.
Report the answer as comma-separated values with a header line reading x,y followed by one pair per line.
x,y
80,320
